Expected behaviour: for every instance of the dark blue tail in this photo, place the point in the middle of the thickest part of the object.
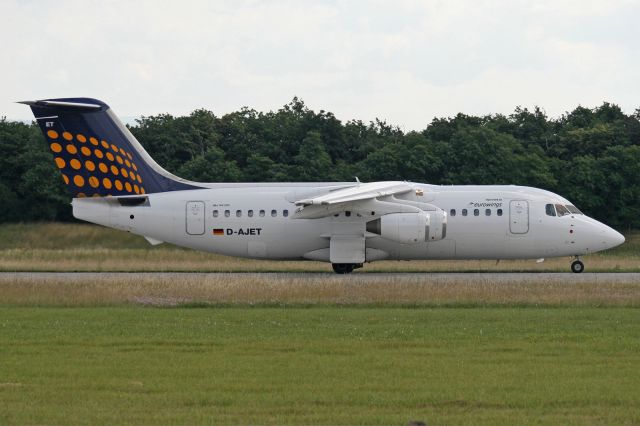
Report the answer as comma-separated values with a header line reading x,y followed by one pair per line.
x,y
96,153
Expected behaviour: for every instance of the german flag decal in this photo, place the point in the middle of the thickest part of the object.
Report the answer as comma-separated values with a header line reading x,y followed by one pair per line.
x,y
218,231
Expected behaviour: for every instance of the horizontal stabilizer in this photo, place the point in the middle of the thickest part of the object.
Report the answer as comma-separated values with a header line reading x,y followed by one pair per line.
x,y
67,106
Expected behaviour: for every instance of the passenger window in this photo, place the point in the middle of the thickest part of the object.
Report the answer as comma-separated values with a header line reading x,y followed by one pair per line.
x,y
452,212
238,213
227,213
499,212
487,212
250,213
261,213
215,213
347,213
551,211
476,212
464,212
562,210
285,213
274,213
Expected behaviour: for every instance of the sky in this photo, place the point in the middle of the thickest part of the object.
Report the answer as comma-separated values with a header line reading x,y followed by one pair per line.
x,y
402,61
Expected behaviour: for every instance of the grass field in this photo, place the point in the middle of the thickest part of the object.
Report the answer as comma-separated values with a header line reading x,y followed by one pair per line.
x,y
321,365
295,290
317,349
83,247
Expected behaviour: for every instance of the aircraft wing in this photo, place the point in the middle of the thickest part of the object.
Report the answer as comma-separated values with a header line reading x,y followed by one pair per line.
x,y
356,198
364,191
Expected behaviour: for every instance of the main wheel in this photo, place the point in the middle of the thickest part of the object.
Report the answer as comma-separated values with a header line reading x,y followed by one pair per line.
x,y
577,266
343,268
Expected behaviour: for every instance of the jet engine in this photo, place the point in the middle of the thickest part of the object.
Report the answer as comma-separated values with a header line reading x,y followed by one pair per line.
x,y
410,228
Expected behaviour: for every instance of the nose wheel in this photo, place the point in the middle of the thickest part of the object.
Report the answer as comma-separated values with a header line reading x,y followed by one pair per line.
x,y
577,266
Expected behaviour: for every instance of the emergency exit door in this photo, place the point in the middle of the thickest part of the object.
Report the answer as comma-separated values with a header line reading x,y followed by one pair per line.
x,y
519,217
195,217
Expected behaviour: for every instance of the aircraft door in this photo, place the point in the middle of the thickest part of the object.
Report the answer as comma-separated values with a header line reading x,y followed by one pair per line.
x,y
195,217
519,216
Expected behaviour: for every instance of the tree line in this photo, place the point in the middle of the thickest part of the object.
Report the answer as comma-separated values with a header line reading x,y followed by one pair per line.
x,y
590,156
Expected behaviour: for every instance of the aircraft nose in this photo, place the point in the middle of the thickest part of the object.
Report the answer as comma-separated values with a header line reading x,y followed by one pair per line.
x,y
610,237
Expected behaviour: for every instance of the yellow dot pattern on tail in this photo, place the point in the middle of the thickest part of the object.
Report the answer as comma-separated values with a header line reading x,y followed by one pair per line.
x,y
117,171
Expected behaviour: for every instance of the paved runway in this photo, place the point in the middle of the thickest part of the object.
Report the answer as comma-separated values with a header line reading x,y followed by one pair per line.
x,y
506,277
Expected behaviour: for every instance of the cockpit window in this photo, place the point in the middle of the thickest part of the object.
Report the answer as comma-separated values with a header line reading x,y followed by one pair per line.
x,y
551,211
573,209
562,210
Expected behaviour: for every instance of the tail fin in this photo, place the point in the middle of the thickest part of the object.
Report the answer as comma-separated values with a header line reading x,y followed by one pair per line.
x,y
96,153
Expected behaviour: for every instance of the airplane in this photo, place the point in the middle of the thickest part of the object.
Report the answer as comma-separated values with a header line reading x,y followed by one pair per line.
x,y
115,183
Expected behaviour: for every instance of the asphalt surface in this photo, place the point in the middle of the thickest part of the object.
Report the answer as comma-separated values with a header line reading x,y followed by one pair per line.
x,y
494,277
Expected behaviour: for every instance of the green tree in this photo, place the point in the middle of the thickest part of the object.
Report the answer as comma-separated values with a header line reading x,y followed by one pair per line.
x,y
588,155
211,167
313,162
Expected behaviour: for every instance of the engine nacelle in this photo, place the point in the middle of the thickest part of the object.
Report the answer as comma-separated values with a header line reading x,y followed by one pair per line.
x,y
410,228
438,225
405,228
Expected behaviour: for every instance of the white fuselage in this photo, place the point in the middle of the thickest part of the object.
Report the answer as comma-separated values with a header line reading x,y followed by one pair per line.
x,y
258,221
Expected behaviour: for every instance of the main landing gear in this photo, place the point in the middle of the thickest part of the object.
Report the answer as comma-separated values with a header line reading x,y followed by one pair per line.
x,y
577,266
345,268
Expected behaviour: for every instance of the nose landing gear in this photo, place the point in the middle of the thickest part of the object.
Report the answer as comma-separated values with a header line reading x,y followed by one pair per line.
x,y
577,266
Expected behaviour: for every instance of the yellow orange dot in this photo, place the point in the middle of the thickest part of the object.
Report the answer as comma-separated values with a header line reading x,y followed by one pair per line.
x,y
81,138
142,190
98,153
136,189
118,185
68,136
86,151
133,175
60,163
134,166
138,178
114,148
122,151
124,172
110,156
89,165
103,167
106,182
81,195
114,170
66,179
129,155
96,195
104,144
127,186
72,149
52,134
93,141
127,162
94,182
78,180
55,147
75,164
119,159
